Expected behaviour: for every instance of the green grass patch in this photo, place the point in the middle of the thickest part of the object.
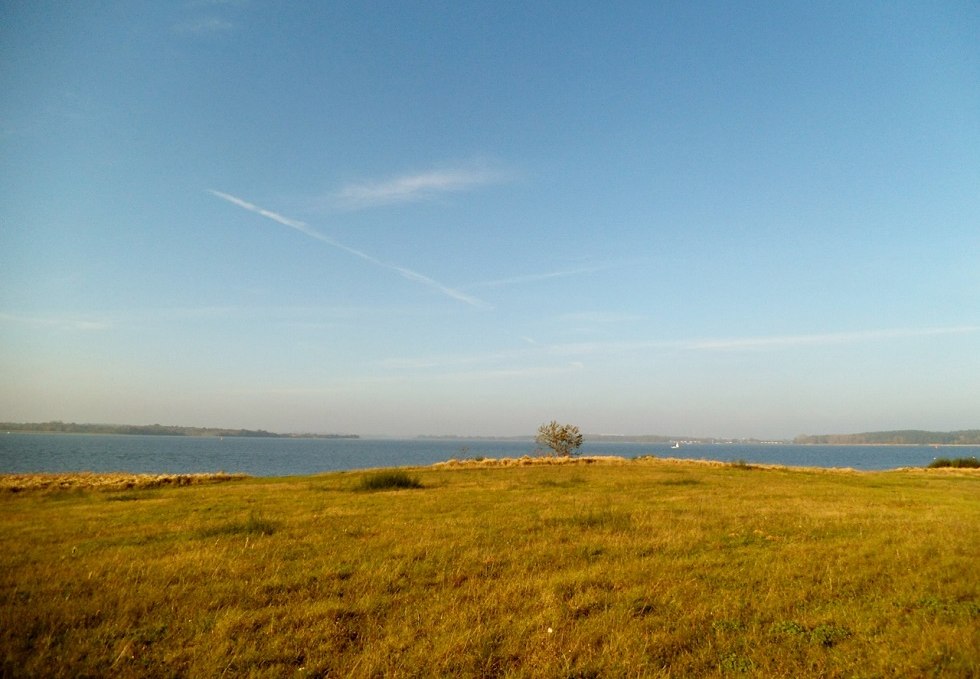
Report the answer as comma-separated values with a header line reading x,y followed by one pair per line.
x,y
680,482
120,496
254,524
643,569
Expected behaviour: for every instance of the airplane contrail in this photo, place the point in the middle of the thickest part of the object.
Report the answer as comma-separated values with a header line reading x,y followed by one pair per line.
x,y
307,230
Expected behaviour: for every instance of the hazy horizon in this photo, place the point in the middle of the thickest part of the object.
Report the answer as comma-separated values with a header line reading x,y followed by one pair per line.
x,y
668,437
399,220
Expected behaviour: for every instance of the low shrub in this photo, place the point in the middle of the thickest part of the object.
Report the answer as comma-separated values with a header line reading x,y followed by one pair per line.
x,y
956,462
388,480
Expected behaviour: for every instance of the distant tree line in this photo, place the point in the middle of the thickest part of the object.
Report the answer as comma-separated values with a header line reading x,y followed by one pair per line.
x,y
150,430
909,437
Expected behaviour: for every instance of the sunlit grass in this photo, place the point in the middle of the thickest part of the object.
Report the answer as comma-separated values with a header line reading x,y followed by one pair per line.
x,y
15,483
644,568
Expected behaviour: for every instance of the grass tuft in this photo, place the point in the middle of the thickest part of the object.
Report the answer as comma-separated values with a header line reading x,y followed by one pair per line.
x,y
563,483
828,635
956,463
734,663
680,482
388,480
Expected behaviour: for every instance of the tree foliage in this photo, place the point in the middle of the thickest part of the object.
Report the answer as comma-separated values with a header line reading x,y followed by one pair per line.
x,y
562,439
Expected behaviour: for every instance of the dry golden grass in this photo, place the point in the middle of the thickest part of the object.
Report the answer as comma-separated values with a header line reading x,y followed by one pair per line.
x,y
528,461
15,483
601,569
550,461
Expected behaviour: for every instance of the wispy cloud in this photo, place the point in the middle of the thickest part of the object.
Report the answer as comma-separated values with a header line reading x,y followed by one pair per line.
x,y
471,373
414,187
454,360
513,373
206,18
344,386
537,352
823,339
735,344
205,26
66,322
544,276
598,317
304,228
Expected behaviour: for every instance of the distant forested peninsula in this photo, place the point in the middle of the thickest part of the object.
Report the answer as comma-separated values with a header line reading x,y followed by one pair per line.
x,y
155,430
908,437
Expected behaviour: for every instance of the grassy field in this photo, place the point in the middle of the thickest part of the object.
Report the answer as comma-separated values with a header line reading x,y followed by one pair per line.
x,y
640,568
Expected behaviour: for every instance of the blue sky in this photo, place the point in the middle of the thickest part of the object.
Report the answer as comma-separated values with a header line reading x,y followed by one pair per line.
x,y
731,219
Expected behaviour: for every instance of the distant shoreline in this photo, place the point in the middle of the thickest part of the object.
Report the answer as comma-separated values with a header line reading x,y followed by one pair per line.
x,y
904,437
182,436
154,430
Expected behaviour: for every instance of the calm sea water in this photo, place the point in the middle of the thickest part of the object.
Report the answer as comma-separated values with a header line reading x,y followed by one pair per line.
x,y
288,457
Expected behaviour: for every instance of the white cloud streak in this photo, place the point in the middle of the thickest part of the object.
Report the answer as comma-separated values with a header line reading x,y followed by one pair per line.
x,y
504,372
305,229
740,344
824,339
343,387
64,323
455,360
412,188
756,343
205,26
598,317
537,277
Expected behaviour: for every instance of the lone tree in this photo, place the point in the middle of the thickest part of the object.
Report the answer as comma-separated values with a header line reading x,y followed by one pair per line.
x,y
562,439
